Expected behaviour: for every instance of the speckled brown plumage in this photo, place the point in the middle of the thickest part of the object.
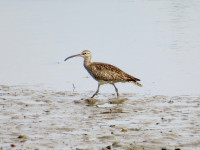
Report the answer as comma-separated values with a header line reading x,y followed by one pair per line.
x,y
105,73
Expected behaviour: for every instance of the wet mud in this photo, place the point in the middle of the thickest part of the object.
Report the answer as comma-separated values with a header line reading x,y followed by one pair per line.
x,y
33,118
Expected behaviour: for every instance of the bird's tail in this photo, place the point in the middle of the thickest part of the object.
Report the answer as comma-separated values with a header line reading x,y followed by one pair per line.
x,y
136,83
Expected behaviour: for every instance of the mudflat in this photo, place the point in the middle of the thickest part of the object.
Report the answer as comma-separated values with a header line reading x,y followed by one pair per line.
x,y
34,118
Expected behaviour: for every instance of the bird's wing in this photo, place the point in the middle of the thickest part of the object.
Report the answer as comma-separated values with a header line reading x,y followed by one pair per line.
x,y
107,72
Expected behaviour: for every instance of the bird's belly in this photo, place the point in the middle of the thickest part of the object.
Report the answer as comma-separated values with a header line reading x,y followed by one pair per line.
x,y
106,82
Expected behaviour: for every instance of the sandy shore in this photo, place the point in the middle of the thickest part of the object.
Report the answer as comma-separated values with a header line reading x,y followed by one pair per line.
x,y
36,119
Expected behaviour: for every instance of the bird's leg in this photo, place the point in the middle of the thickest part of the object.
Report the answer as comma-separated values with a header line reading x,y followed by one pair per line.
x,y
97,90
116,89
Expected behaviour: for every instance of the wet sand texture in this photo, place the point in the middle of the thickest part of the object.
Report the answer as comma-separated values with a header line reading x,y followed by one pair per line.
x,y
45,119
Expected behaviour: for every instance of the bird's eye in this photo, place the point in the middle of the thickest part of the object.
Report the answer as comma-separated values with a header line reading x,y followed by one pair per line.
x,y
84,53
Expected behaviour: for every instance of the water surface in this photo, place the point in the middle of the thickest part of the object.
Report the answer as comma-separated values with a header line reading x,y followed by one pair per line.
x,y
156,41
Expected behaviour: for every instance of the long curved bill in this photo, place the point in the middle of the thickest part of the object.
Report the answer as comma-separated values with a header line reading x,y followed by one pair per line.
x,y
72,56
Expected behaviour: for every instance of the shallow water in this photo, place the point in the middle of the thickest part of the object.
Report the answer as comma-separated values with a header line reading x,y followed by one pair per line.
x,y
156,41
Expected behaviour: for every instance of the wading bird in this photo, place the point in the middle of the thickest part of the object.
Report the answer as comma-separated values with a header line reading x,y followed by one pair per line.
x,y
104,73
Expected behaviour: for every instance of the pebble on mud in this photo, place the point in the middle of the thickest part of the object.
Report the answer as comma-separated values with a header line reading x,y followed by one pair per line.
x,y
117,101
108,147
91,101
124,130
23,138
116,144
12,145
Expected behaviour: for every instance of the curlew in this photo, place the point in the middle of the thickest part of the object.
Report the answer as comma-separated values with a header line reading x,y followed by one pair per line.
x,y
105,73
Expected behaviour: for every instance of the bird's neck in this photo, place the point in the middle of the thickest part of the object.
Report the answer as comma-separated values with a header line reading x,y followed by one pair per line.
x,y
87,61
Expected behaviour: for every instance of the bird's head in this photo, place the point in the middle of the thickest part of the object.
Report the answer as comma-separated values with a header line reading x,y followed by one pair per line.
x,y
84,54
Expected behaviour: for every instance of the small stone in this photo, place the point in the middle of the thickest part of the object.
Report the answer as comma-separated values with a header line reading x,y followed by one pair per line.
x,y
116,144
21,136
124,130
109,147
13,145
